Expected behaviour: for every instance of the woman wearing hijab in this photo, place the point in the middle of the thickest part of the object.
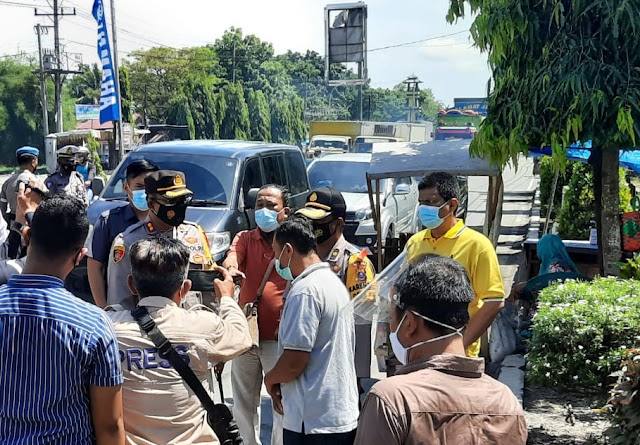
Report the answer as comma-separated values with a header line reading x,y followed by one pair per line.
x,y
554,258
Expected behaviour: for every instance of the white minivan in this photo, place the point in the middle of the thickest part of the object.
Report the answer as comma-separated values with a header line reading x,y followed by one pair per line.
x,y
347,173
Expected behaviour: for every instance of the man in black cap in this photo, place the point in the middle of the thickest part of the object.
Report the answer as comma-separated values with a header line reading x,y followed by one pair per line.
x,y
67,180
327,210
167,198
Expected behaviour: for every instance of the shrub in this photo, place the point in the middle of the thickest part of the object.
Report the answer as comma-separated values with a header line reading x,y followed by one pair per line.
x,y
547,173
579,202
625,402
581,331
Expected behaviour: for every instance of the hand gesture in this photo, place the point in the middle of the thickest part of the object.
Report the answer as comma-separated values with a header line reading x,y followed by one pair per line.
x,y
224,287
27,199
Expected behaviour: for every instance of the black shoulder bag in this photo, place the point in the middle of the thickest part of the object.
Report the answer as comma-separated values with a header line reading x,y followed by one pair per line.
x,y
218,414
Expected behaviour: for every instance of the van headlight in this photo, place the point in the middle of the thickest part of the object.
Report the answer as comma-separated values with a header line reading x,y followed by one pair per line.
x,y
219,242
363,215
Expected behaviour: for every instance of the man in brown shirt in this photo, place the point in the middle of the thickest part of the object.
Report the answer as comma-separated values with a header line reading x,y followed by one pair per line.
x,y
249,256
439,396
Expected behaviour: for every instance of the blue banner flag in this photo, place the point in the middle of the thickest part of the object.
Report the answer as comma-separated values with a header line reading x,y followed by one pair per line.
x,y
109,100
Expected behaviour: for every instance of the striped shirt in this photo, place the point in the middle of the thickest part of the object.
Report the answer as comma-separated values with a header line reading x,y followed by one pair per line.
x,y
52,347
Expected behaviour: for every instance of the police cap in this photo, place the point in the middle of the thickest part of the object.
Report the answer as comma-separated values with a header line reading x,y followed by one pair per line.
x,y
170,184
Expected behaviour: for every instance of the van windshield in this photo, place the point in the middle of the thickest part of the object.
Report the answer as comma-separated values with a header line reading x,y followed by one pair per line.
x,y
348,177
208,177
322,143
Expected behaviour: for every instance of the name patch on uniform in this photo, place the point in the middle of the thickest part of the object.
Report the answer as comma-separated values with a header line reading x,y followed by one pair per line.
x,y
118,253
149,358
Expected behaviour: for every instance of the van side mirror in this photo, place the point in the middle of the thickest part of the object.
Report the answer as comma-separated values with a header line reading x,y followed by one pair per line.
x,y
97,185
250,201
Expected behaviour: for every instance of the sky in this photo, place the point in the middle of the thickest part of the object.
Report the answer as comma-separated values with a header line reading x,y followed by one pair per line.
x,y
449,65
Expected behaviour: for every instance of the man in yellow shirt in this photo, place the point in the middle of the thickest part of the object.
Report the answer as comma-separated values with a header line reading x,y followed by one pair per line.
x,y
447,236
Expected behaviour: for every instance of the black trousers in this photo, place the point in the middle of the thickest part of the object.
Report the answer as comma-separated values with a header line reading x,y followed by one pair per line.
x,y
293,438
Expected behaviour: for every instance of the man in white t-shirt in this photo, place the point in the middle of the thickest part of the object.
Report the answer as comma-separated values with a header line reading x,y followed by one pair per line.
x,y
313,384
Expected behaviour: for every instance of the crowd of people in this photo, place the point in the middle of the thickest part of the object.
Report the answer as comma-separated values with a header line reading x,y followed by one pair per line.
x,y
73,372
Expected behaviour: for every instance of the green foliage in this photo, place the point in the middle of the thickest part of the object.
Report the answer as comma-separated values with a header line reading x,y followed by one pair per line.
x,y
548,169
630,269
20,111
235,124
581,331
625,402
85,87
201,95
94,147
125,94
259,116
579,206
179,113
563,71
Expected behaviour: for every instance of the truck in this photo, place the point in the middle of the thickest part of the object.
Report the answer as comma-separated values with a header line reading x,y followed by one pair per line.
x,y
343,136
455,123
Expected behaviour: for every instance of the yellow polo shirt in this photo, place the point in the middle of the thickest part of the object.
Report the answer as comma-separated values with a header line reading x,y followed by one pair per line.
x,y
478,256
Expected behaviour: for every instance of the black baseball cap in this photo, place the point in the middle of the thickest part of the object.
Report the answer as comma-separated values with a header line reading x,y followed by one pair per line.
x,y
170,184
322,202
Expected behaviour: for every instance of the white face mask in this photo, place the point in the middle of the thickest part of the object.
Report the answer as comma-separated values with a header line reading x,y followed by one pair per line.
x,y
402,353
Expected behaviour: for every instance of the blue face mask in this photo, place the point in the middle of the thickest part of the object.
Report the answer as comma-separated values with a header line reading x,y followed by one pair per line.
x,y
430,216
286,272
139,200
267,220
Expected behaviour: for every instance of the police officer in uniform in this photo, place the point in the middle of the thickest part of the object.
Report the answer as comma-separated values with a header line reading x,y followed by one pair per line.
x,y
326,208
167,198
27,158
67,180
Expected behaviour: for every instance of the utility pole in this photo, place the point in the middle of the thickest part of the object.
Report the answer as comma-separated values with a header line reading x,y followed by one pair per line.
x,y
234,61
43,80
117,78
58,72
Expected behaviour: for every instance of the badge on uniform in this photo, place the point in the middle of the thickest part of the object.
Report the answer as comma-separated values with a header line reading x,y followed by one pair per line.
x,y
191,240
197,258
335,268
150,227
118,253
334,254
361,276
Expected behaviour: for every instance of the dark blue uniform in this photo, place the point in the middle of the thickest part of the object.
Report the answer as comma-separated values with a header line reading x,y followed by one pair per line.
x,y
109,225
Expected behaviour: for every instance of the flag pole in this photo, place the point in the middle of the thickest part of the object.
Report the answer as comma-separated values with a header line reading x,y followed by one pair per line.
x,y
117,78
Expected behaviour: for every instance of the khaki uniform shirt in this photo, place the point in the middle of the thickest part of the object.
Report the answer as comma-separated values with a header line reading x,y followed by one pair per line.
x,y
9,193
446,400
355,272
119,264
159,408
72,185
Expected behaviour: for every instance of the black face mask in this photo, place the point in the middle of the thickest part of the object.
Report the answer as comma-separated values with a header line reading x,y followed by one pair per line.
x,y
67,168
172,215
323,232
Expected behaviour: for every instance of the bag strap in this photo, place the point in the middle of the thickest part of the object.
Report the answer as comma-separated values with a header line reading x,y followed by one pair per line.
x,y
267,274
141,315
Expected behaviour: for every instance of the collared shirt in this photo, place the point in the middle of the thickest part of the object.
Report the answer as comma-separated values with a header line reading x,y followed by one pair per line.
x,y
72,185
109,225
446,400
119,264
478,256
253,254
159,408
53,346
317,318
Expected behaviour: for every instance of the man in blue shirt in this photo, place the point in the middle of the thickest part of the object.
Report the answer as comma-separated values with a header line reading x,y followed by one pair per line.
x,y
60,377
112,223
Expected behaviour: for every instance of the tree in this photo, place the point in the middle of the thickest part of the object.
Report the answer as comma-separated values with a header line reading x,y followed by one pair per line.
x,y
259,116
125,95
563,71
20,111
235,124
202,101
86,87
178,113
